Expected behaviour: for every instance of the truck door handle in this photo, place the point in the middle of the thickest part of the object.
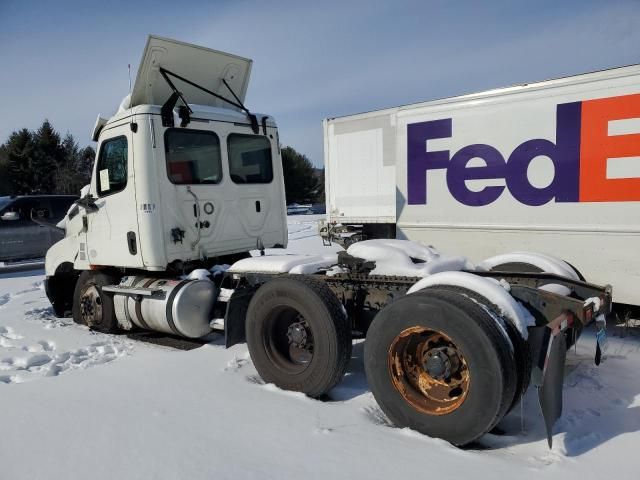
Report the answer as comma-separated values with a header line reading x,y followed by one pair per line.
x,y
196,210
258,207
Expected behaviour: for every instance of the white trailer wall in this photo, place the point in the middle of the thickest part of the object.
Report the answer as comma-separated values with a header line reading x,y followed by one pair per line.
x,y
360,168
600,238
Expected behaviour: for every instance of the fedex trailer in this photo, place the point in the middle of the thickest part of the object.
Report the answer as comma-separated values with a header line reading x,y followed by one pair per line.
x,y
552,166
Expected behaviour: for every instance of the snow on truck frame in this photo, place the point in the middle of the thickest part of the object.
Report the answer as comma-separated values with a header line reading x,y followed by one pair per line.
x,y
552,166
187,180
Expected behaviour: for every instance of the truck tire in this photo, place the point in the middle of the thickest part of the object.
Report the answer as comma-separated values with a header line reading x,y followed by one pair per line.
x,y
93,307
522,354
438,363
59,290
298,334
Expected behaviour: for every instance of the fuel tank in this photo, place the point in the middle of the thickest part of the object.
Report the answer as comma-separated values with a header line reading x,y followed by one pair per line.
x,y
177,307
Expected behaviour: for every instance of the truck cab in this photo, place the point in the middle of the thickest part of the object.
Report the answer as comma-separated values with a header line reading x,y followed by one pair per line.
x,y
166,194
184,173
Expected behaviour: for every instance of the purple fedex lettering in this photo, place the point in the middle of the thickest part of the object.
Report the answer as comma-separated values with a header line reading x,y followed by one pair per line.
x,y
458,173
565,155
421,160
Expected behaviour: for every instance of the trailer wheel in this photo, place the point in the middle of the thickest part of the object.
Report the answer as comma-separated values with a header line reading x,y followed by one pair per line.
x,y
91,306
522,354
437,362
298,334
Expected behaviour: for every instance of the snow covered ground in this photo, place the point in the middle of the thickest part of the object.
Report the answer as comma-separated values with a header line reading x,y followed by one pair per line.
x,y
79,404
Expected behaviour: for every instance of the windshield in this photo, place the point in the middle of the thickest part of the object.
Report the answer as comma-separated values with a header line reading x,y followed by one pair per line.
x,y
4,201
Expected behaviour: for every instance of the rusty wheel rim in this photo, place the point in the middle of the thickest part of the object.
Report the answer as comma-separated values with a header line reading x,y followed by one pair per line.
x,y
91,306
428,370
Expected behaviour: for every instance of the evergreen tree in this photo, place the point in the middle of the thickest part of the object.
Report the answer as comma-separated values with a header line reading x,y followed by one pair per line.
x,y
320,194
42,162
86,158
75,171
65,180
48,158
300,181
6,188
20,151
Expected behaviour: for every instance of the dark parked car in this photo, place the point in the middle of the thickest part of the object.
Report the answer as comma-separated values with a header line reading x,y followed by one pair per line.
x,y
318,208
20,237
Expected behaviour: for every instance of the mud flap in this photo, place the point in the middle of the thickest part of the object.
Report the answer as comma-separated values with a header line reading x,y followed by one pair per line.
x,y
549,353
234,319
550,393
601,338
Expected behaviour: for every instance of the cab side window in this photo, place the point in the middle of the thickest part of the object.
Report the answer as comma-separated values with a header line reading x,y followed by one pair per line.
x,y
112,166
249,158
193,156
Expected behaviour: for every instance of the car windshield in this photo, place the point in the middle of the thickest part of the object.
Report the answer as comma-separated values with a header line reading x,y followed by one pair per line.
x,y
4,201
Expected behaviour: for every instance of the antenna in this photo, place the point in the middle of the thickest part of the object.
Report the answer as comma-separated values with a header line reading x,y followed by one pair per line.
x,y
133,125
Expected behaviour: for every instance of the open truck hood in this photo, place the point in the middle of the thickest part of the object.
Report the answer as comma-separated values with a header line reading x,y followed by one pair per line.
x,y
203,66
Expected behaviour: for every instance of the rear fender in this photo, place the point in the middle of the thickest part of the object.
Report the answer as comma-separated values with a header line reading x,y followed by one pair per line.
x,y
64,251
234,319
489,288
546,263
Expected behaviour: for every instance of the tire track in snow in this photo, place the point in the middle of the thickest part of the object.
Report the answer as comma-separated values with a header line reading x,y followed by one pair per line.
x,y
9,333
4,299
7,297
46,364
41,346
47,318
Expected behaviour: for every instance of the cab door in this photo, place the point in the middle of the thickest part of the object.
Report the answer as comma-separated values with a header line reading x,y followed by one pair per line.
x,y
112,233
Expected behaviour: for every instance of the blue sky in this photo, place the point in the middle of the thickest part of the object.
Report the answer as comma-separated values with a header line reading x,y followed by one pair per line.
x,y
67,60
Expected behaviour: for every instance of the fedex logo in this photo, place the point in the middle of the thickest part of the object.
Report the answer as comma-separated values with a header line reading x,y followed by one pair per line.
x,y
579,154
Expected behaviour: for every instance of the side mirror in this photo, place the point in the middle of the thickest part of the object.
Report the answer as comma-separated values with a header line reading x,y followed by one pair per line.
x,y
88,202
10,216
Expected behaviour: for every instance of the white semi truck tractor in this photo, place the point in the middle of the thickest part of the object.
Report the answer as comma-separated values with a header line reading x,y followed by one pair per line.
x,y
187,180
